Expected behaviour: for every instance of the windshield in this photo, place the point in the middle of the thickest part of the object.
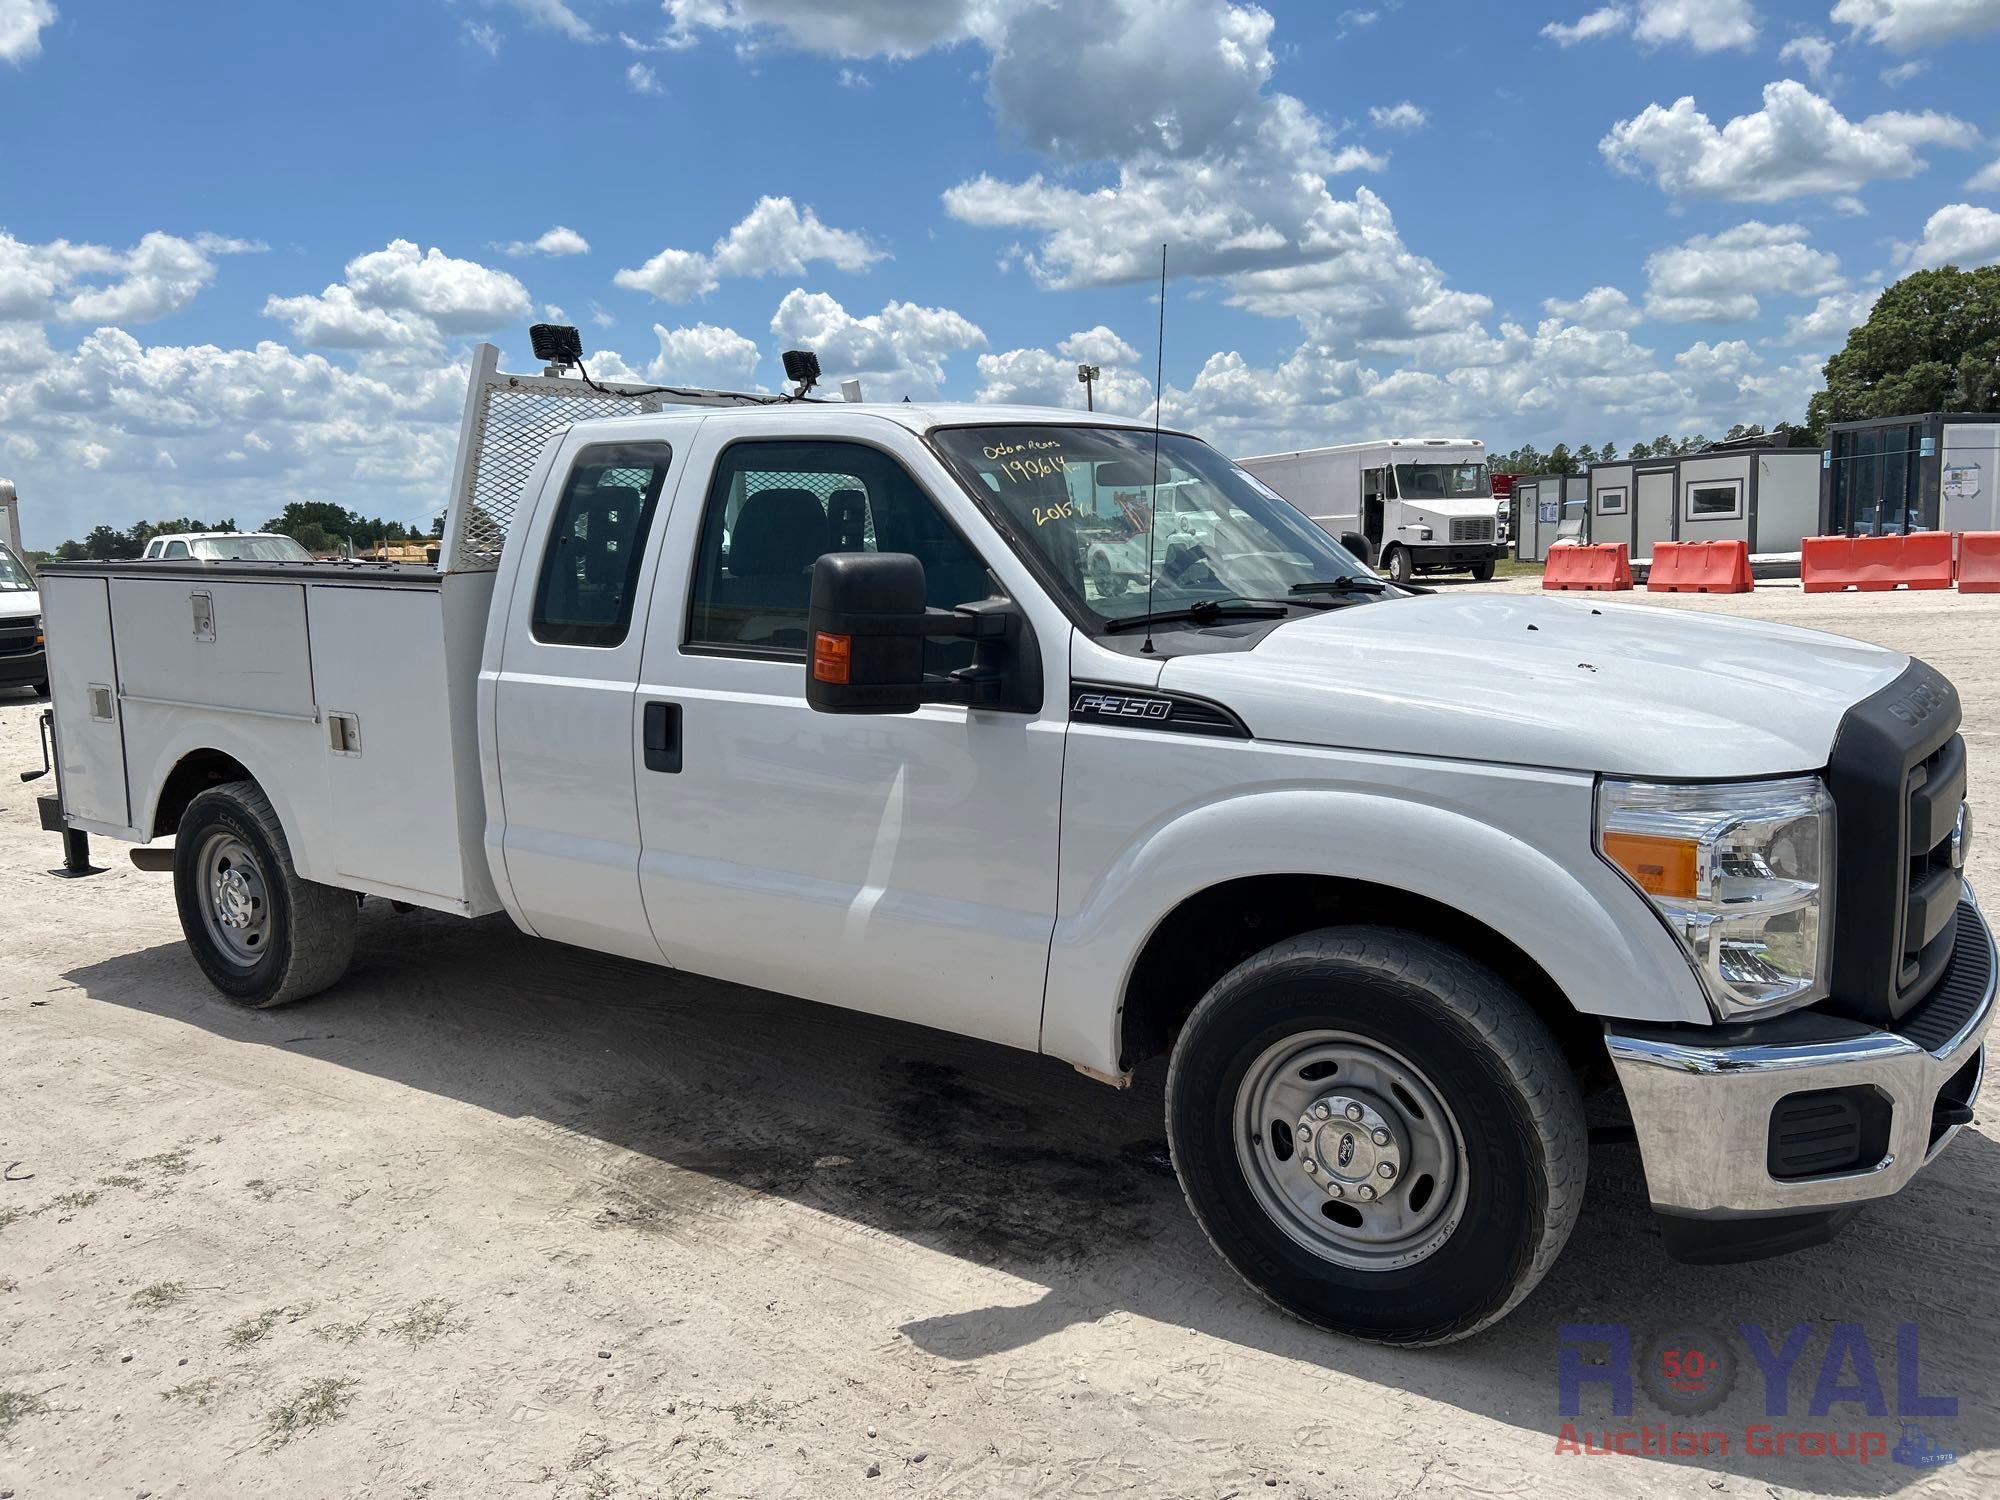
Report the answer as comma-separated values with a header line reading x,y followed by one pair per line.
x,y
249,549
1442,481
1081,501
13,573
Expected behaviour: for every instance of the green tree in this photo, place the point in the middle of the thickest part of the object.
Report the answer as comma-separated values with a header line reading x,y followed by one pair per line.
x,y
1931,343
312,536
108,544
1561,460
1641,450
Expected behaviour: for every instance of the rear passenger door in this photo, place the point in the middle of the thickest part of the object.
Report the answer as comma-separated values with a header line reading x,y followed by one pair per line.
x,y
900,864
563,702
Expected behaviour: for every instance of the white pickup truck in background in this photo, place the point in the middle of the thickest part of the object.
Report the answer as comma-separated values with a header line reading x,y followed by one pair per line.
x,y
826,699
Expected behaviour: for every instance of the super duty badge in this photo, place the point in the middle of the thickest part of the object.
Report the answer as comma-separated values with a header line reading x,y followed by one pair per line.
x,y
1119,706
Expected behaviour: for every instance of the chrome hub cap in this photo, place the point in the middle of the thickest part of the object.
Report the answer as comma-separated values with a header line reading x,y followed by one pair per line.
x,y
1350,1150
237,909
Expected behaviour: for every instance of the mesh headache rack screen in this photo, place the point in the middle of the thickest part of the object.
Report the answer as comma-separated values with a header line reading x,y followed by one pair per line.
x,y
508,421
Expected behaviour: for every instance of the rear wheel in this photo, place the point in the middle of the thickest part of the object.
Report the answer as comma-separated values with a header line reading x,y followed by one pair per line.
x,y
1377,1134
261,934
1398,565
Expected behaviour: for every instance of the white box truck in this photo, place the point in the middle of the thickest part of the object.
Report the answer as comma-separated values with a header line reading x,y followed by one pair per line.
x,y
1406,505
824,700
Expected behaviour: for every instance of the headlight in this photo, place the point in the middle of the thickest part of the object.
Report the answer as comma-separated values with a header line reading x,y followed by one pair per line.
x,y
1743,874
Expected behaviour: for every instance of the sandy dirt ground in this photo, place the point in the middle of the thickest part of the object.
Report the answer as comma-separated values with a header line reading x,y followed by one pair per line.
x,y
496,1217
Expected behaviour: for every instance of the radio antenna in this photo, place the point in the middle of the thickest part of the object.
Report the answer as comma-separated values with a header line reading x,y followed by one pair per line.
x,y
1153,503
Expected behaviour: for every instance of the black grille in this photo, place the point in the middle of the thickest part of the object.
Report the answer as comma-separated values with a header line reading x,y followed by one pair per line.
x,y
1897,775
1951,1003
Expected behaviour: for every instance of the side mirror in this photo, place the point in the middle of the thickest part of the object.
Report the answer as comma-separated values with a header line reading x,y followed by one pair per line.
x,y
866,626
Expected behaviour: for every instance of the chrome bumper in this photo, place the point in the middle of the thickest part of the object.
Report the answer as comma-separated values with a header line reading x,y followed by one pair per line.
x,y
1703,1112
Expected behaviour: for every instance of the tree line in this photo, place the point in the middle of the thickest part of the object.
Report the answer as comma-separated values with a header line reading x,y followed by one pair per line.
x,y
316,525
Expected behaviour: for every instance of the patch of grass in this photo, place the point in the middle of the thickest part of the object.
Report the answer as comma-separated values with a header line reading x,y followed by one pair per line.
x,y
316,1404
8,1216
341,1333
9,1284
120,1180
599,1486
174,1163
160,1294
14,1405
200,1392
71,1202
253,1330
429,1319
262,1189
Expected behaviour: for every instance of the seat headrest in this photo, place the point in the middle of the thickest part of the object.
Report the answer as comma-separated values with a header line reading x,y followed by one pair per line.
x,y
778,532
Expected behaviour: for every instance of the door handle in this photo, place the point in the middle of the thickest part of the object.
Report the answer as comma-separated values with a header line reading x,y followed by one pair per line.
x,y
663,737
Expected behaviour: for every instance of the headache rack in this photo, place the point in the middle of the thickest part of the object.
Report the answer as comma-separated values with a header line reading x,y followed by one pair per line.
x,y
509,419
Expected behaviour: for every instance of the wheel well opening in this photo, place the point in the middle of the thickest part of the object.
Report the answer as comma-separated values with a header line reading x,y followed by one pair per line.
x,y
196,773
1214,930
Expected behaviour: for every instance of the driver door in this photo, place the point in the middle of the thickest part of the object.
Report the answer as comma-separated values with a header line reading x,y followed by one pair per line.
x,y
899,864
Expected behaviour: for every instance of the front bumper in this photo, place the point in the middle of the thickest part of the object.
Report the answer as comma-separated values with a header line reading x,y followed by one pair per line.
x,y
1450,555
1703,1098
20,667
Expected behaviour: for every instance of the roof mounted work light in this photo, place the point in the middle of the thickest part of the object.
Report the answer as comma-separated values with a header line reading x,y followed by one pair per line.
x,y
556,343
802,365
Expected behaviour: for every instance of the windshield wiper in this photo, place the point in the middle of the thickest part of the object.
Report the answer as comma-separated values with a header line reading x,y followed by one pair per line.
x,y
1205,612
1348,585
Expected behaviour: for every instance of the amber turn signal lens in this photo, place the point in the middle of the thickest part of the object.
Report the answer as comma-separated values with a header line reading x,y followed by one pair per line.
x,y
832,655
1659,866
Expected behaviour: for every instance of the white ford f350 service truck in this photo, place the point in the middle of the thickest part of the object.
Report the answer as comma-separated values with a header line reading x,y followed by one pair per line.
x,y
823,699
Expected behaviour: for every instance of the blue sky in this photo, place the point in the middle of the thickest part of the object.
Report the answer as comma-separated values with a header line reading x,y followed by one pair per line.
x,y
246,247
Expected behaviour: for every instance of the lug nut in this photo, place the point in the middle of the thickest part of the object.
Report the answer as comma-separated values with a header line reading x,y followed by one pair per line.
x,y
1386,1170
1364,1192
1381,1137
1336,1189
1309,1164
1321,1112
1353,1111
1305,1132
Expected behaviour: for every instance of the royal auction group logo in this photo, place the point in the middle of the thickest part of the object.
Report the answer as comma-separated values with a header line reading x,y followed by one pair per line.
x,y
1687,1374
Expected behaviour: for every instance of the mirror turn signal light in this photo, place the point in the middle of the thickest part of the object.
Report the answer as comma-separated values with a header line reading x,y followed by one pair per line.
x,y
833,655
1658,865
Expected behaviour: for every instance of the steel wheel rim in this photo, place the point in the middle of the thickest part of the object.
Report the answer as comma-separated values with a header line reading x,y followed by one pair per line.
x,y
235,898
1298,1103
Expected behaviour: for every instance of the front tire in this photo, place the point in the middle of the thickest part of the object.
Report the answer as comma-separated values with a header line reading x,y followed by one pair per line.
x,y
263,935
1399,566
1443,1128
1482,572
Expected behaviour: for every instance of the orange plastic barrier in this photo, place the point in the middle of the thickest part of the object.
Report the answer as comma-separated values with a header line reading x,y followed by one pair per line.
x,y
1700,568
1873,564
1600,566
1979,562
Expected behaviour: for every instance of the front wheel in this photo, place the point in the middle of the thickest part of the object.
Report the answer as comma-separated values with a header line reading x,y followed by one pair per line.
x,y
1400,568
261,934
1377,1134
1482,572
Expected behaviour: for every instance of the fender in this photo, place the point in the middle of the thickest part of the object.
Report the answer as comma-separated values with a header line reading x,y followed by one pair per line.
x,y
1607,952
247,744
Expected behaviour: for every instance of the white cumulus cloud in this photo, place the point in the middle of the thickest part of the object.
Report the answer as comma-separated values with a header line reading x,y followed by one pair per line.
x,y
561,240
898,352
1601,307
1903,25
1958,234
775,237
1812,52
1796,145
1717,277
21,25
85,283
403,298
1404,116
703,355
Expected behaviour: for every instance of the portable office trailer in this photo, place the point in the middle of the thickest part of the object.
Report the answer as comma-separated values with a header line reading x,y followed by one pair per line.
x,y
1934,471
1548,507
1768,497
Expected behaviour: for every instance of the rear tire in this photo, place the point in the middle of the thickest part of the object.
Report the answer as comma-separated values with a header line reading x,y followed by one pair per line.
x,y
1451,1083
1398,565
261,934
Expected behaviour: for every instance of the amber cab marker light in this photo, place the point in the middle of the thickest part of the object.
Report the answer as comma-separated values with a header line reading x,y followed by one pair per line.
x,y
1660,866
831,656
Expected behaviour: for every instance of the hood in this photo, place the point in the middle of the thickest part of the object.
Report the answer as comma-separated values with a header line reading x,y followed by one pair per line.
x,y
1575,683
15,604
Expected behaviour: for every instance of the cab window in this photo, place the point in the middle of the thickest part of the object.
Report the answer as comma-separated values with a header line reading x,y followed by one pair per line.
x,y
774,508
590,564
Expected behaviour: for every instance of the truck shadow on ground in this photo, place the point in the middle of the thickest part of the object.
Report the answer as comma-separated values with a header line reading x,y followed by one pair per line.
x,y
1012,1161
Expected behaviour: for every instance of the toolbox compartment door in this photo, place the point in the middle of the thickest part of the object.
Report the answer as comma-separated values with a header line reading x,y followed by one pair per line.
x,y
83,684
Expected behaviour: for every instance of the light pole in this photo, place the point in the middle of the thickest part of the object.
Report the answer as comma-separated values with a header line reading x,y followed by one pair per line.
x,y
1086,376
